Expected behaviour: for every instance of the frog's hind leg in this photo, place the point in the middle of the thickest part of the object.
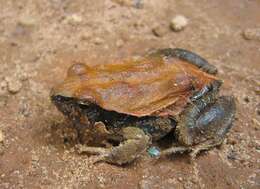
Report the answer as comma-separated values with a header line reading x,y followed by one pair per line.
x,y
190,57
204,124
215,122
136,142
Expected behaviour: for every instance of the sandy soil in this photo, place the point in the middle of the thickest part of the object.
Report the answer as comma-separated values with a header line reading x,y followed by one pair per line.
x,y
40,39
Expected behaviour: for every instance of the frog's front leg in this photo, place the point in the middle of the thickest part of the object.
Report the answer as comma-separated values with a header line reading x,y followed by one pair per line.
x,y
135,142
203,124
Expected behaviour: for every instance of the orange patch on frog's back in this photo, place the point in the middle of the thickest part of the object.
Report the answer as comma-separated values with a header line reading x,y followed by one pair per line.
x,y
137,87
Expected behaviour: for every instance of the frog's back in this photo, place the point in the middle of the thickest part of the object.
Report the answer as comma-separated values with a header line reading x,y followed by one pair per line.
x,y
138,87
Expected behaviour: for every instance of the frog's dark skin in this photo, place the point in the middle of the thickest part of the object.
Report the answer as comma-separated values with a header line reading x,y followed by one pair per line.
x,y
202,125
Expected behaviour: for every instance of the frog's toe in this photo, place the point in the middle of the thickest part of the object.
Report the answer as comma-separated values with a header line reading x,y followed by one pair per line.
x,y
136,142
195,150
91,150
174,150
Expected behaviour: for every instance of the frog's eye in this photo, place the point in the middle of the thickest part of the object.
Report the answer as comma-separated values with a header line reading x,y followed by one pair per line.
x,y
77,69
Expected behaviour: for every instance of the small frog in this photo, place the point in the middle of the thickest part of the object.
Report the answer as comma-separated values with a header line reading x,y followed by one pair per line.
x,y
134,102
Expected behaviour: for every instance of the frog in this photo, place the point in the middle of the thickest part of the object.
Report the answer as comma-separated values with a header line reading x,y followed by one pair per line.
x,y
133,103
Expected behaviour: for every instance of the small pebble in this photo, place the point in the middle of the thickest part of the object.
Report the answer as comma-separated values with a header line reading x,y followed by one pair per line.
x,y
86,35
3,100
258,108
119,43
14,85
35,158
138,4
231,141
3,84
124,2
135,3
74,19
257,90
159,31
256,124
232,155
246,99
1,136
180,179
3,88
258,112
178,23
98,41
252,34
144,184
27,21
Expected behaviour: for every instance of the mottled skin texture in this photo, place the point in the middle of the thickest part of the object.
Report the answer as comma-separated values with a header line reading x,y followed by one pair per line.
x,y
201,125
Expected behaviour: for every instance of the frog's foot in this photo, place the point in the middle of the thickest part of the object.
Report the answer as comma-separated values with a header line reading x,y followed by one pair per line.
x,y
195,150
174,150
135,143
99,151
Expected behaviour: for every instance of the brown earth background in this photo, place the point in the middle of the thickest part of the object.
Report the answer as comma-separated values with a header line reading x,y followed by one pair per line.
x,y
40,39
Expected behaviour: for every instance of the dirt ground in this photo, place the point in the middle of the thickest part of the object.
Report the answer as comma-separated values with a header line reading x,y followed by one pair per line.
x,y
40,39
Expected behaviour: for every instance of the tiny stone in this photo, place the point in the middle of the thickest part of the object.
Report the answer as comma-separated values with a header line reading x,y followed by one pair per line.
x,y
231,141
258,109
136,3
24,76
98,41
3,84
171,181
232,155
3,88
252,34
139,4
86,36
74,19
178,23
257,90
1,136
246,99
3,100
256,124
180,179
124,2
158,31
35,157
258,112
27,21
14,85
119,43
144,184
